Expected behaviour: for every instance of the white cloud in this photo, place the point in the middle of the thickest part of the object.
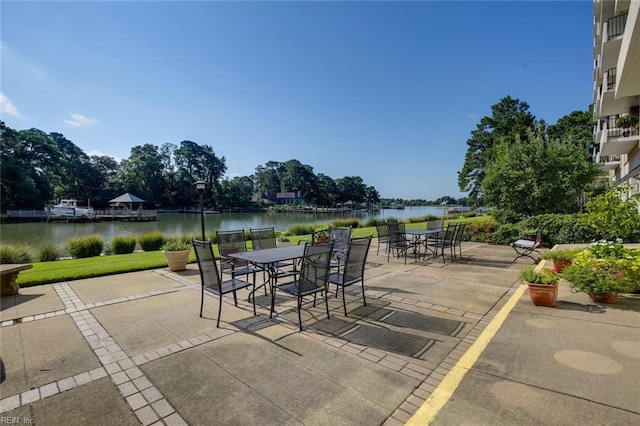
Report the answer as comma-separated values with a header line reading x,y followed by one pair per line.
x,y
79,120
7,107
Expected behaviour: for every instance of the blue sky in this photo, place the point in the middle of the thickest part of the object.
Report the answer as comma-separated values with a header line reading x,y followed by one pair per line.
x,y
388,91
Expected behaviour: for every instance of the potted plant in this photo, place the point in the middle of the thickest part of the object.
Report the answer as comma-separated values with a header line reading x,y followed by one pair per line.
x,y
626,122
560,259
177,251
543,286
604,270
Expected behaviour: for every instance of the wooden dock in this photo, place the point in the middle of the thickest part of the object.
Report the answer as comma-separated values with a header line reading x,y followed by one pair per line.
x,y
17,216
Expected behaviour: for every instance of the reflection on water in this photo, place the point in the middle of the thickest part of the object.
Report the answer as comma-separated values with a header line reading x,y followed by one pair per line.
x,y
189,223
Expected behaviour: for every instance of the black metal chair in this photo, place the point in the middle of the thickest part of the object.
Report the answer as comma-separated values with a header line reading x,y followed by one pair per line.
x,y
398,241
457,239
312,277
233,242
525,248
446,242
353,271
340,238
383,234
211,279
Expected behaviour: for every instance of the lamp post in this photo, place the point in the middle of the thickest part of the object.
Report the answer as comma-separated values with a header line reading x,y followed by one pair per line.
x,y
200,186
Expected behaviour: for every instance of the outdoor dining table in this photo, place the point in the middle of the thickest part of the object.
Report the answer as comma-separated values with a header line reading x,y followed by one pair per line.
x,y
421,236
267,259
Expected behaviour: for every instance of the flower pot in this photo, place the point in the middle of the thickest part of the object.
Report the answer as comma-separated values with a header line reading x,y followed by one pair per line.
x,y
603,297
559,265
177,260
543,294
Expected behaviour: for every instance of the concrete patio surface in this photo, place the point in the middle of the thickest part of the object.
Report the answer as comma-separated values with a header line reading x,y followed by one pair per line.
x,y
440,343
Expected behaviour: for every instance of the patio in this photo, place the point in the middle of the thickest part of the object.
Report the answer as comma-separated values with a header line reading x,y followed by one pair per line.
x,y
131,349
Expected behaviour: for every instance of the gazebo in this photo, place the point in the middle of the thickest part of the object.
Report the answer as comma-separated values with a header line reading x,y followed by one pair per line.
x,y
126,202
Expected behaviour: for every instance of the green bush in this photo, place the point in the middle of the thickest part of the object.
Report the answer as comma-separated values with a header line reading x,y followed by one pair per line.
x,y
371,222
151,241
421,219
177,244
300,229
85,246
561,228
507,233
346,223
15,253
122,245
48,252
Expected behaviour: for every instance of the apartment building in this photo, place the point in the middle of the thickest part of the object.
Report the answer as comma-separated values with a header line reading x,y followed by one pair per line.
x,y
616,91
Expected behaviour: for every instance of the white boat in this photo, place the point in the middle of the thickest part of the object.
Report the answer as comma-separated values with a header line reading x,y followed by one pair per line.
x,y
69,208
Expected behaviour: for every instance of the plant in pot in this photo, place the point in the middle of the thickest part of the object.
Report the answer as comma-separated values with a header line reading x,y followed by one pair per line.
x,y
543,286
604,270
177,250
560,258
627,122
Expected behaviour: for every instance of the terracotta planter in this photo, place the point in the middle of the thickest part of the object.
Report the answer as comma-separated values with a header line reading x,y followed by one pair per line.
x,y
559,265
603,298
177,260
543,294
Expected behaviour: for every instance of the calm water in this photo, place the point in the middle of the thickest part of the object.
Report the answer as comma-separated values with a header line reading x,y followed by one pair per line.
x,y
189,223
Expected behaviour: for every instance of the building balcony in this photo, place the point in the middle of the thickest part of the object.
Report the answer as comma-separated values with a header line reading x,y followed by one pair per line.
x,y
617,141
609,162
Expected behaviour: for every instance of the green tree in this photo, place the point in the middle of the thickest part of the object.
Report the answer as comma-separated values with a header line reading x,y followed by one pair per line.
x,y
510,119
267,178
614,213
537,177
577,125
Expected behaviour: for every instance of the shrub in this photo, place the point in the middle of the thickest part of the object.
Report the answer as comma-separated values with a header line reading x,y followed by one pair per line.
x,y
15,253
151,241
49,252
507,233
123,245
346,223
299,229
371,222
85,246
421,219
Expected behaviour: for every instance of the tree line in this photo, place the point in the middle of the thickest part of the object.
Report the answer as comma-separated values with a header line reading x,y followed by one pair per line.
x,y
39,167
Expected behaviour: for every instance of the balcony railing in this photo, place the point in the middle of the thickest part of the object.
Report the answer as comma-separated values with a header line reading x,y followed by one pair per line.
x,y
616,25
611,79
620,132
609,158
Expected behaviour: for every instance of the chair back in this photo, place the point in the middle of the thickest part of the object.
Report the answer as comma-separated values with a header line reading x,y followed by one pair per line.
x,y
459,232
340,238
356,258
435,224
538,242
315,267
382,228
263,238
231,242
450,233
209,275
396,233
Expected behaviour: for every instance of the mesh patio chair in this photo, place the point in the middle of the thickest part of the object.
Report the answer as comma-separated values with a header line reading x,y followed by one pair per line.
x,y
457,239
312,277
446,242
398,241
340,238
211,279
525,248
233,242
383,235
353,271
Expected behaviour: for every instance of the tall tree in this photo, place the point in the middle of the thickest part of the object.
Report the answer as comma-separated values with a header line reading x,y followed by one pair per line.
x,y
537,176
577,125
510,119
267,178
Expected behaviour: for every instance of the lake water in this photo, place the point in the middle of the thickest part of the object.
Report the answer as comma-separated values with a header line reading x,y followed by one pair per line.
x,y
188,223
